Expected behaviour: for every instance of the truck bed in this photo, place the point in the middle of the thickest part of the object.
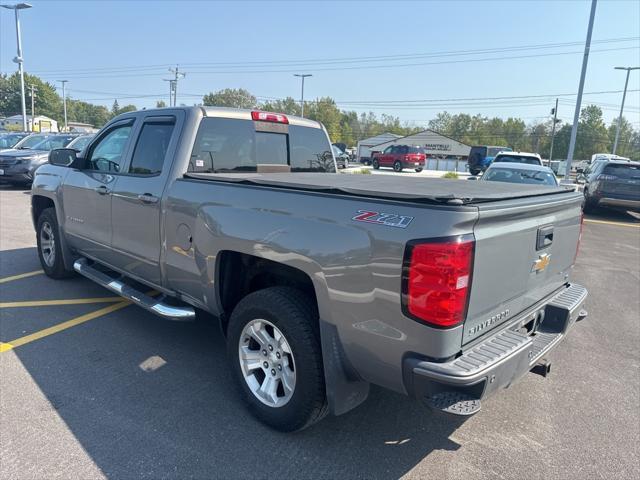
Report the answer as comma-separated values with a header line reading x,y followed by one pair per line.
x,y
393,187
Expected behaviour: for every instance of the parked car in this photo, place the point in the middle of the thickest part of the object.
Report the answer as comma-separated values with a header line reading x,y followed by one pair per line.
x,y
611,184
322,284
9,139
80,143
520,173
342,159
481,156
17,165
518,157
400,157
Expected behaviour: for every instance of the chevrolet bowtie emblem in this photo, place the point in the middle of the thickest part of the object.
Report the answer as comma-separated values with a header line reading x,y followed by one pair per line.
x,y
541,263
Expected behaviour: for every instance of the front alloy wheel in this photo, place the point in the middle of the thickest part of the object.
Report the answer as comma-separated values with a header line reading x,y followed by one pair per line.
x,y
48,244
267,363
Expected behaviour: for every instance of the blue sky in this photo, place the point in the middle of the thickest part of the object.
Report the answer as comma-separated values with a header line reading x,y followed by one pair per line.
x,y
118,49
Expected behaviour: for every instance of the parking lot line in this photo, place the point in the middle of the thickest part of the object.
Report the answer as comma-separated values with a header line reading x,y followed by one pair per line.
x,y
5,347
71,301
18,277
606,222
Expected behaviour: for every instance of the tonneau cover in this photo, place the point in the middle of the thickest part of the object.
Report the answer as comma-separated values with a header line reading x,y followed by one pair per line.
x,y
396,187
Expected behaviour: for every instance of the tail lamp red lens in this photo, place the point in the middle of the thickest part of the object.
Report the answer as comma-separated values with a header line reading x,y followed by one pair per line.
x,y
437,280
269,117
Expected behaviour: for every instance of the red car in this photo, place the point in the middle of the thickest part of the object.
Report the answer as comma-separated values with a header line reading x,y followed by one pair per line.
x,y
399,157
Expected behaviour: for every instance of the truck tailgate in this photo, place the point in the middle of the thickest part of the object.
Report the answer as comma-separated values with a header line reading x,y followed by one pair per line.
x,y
524,251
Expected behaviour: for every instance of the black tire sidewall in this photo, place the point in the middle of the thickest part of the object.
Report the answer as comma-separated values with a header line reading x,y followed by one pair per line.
x,y
300,411
57,270
397,166
376,165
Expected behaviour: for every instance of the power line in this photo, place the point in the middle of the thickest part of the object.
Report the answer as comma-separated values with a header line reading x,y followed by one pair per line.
x,y
358,59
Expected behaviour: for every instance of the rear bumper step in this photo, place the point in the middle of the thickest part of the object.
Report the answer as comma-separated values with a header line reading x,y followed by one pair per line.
x,y
498,361
154,305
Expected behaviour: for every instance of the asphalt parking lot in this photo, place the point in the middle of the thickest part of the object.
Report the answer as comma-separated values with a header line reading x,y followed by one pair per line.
x,y
91,387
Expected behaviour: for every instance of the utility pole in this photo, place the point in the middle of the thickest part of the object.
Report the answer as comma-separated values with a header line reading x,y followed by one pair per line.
x,y
628,69
19,60
553,129
174,83
171,83
302,76
64,103
33,107
583,74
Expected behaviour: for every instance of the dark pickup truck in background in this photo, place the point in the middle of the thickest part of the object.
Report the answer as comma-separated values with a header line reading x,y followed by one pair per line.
x,y
322,283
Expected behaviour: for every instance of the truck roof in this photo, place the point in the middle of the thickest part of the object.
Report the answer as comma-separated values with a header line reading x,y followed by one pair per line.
x,y
432,190
245,114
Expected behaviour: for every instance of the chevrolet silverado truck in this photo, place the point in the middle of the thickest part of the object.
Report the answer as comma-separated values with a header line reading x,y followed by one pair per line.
x,y
322,283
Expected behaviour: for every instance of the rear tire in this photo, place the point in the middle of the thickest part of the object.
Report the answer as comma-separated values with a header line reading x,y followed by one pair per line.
x,y
376,165
418,170
397,166
49,248
587,205
282,322
474,171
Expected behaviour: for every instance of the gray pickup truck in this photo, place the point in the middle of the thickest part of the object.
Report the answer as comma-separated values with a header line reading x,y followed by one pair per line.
x,y
322,283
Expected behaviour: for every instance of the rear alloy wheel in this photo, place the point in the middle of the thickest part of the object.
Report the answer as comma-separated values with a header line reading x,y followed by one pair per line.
x,y
397,166
274,349
376,165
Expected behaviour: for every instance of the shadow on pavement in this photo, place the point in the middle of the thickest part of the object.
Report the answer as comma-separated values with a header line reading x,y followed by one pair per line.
x,y
150,398
613,215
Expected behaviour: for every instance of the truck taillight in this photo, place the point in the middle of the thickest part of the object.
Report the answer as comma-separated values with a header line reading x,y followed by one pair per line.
x,y
436,280
269,117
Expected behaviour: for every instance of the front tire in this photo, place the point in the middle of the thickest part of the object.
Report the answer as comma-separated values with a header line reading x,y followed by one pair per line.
x,y
376,165
49,247
274,348
397,166
474,171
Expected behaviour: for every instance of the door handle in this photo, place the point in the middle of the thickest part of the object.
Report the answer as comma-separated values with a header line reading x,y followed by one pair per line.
x,y
147,198
102,190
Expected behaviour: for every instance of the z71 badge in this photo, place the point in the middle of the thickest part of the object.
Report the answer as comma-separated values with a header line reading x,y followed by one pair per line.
x,y
387,219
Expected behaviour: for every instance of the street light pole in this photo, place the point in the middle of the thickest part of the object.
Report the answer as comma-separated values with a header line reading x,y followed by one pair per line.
x,y
583,74
19,60
33,107
64,103
628,69
553,130
302,76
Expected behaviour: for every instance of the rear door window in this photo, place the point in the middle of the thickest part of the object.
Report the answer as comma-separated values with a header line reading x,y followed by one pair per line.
x,y
151,148
518,159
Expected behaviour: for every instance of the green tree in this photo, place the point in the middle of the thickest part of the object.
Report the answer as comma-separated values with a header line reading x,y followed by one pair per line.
x,y
287,105
325,111
230,97
160,104
592,133
115,108
47,101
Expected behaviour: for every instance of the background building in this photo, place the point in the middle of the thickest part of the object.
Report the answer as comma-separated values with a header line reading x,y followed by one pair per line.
x,y
363,153
443,153
38,124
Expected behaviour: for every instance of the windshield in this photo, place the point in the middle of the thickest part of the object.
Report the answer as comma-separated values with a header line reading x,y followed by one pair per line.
x,y
627,172
8,141
53,141
416,149
518,159
336,151
532,177
80,143
493,151
30,141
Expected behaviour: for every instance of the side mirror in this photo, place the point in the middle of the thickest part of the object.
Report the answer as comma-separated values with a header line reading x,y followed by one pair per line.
x,y
63,157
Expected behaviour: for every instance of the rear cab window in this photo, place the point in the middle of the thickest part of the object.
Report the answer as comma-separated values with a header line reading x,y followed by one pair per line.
x,y
228,145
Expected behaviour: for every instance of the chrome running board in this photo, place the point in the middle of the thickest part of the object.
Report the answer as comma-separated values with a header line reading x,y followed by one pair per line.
x,y
154,305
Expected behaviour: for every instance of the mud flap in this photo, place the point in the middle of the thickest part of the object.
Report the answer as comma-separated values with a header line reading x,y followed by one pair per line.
x,y
345,389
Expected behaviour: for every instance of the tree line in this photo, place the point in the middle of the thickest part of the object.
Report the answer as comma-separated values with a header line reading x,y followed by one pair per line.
x,y
594,135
